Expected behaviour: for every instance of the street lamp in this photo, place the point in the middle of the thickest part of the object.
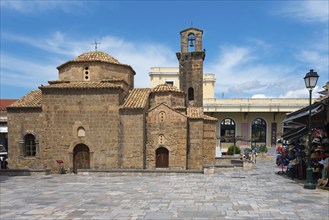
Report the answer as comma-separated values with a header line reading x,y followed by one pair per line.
x,y
310,79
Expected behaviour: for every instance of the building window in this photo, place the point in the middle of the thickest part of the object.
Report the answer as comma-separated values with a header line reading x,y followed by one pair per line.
x,y
258,131
190,94
170,82
227,130
162,116
86,73
161,139
81,132
30,145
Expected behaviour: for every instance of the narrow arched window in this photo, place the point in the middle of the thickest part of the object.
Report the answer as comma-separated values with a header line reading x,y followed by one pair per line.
x,y
86,73
191,43
30,145
161,139
81,132
190,94
162,116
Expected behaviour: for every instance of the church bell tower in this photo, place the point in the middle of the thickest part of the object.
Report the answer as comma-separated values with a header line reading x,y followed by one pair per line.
x,y
191,66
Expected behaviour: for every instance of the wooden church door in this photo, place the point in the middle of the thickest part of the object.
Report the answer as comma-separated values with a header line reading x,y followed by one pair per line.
x,y
81,158
162,158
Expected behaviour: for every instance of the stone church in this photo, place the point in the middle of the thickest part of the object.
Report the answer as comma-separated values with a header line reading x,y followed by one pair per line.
x,y
92,117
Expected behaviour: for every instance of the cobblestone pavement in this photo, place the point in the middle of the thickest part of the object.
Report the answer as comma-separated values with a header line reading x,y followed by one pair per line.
x,y
236,194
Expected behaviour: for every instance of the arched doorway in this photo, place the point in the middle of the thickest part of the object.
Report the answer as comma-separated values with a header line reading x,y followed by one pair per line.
x,y
81,157
161,158
227,134
258,132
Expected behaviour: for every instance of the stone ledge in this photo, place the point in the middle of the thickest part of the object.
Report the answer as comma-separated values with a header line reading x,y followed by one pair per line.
x,y
24,172
122,171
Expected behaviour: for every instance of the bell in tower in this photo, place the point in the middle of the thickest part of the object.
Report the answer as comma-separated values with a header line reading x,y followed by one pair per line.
x,y
191,40
191,66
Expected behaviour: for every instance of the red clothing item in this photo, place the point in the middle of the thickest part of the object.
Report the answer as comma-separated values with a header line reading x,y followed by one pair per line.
x,y
279,148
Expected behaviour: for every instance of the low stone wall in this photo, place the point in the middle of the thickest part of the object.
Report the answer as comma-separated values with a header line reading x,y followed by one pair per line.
x,y
24,172
227,164
102,172
226,159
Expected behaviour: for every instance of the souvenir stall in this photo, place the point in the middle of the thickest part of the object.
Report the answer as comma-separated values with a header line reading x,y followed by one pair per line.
x,y
296,151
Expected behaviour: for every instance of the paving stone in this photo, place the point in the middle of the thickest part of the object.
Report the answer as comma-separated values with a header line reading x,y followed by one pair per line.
x,y
256,194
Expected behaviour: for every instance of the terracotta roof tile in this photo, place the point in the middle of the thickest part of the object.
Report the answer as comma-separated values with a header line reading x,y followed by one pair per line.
x,y
97,56
197,113
209,118
31,100
137,99
166,88
4,103
79,85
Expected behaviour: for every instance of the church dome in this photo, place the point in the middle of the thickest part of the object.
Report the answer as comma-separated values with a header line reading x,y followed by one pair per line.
x,y
96,56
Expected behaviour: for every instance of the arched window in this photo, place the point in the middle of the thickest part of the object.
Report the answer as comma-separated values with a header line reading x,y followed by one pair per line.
x,y
191,43
161,139
227,130
258,130
81,132
30,145
86,73
162,116
190,94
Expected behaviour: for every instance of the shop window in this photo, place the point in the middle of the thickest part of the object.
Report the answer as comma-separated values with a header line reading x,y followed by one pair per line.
x,y
258,131
30,145
227,130
81,132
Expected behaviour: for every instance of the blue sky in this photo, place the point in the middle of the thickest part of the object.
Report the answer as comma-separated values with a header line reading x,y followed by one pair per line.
x,y
255,48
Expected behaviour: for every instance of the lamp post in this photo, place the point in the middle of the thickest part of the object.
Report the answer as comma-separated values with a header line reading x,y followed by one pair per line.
x,y
310,79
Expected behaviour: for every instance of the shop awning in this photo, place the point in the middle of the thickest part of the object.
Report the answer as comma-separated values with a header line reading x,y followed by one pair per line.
x,y
295,134
314,110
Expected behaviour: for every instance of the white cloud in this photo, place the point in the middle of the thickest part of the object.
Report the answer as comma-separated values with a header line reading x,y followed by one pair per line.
x,y
241,73
141,56
29,6
307,11
28,74
56,43
259,96
316,59
301,93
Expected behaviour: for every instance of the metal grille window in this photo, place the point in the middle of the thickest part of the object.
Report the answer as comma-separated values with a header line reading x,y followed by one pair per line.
x,y
30,145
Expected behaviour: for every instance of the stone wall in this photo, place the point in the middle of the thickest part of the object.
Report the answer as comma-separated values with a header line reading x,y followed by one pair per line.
x,y
191,76
170,99
132,138
196,144
98,71
209,142
21,122
94,110
174,130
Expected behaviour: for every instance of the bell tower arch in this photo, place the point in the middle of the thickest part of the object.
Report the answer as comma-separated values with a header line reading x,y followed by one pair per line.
x,y
191,66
